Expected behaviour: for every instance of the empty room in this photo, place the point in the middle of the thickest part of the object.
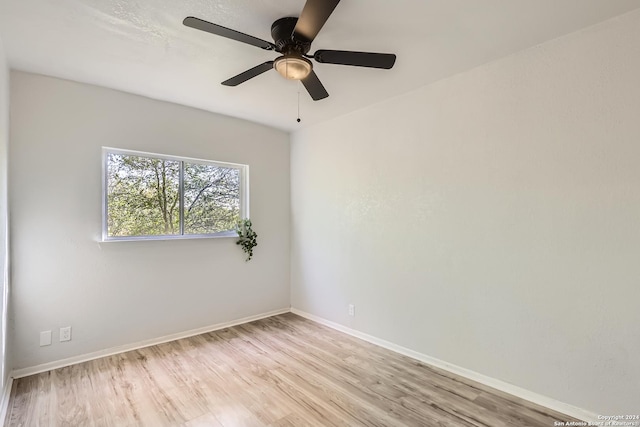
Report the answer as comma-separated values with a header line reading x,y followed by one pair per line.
x,y
320,213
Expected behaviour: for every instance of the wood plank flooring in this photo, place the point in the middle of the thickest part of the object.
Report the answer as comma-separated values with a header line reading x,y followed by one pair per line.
x,y
281,371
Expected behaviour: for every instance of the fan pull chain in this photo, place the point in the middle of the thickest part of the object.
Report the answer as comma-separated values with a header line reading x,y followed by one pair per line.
x,y
298,120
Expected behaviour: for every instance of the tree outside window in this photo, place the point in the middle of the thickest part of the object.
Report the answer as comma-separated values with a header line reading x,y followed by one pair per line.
x,y
148,195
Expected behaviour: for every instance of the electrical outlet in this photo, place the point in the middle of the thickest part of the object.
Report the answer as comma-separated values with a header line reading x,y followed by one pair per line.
x,y
65,334
45,338
352,310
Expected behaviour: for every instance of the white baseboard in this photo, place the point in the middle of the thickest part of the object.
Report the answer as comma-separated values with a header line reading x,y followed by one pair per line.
x,y
522,393
6,393
25,372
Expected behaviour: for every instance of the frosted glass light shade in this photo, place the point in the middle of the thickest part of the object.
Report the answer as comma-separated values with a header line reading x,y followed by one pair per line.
x,y
293,67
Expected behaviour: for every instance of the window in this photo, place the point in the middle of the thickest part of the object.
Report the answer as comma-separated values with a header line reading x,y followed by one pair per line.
x,y
149,196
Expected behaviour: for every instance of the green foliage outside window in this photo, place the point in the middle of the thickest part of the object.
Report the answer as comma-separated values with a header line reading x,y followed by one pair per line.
x,y
144,197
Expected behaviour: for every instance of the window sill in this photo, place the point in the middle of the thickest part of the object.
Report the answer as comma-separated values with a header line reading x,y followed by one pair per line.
x,y
222,235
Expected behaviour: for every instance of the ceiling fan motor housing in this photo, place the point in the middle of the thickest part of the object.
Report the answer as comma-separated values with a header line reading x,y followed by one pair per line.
x,y
282,33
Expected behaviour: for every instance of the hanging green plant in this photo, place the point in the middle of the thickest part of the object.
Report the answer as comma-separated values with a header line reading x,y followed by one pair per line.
x,y
246,237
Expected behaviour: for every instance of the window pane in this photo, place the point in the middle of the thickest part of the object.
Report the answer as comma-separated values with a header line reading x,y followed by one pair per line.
x,y
211,198
142,196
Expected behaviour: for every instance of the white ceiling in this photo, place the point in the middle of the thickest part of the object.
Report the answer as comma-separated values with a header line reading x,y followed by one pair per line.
x,y
141,46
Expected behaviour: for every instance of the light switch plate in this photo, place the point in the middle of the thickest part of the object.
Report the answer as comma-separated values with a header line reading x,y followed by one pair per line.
x,y
45,338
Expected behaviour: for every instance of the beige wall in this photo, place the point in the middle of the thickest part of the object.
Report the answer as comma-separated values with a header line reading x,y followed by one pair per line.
x,y
490,220
5,362
119,293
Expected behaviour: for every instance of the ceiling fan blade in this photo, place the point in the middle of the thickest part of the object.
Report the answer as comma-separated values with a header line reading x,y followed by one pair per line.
x,y
314,86
249,74
314,14
358,59
219,30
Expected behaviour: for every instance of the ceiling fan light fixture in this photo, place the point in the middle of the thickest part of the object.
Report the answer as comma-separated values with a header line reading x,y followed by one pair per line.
x,y
293,67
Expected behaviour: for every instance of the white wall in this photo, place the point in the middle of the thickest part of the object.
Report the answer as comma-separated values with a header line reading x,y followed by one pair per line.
x,y
4,247
490,220
119,293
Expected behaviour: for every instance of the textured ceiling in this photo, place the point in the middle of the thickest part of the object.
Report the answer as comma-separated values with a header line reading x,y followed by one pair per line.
x,y
141,46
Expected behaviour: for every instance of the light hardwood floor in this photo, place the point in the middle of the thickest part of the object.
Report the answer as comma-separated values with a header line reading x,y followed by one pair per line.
x,y
280,371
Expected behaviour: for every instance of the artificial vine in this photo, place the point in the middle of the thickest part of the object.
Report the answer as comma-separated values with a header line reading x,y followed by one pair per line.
x,y
246,237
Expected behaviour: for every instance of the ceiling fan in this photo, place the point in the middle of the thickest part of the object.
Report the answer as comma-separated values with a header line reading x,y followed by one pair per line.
x,y
293,38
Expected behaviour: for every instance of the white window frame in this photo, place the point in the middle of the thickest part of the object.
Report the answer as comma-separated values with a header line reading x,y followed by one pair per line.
x,y
244,194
